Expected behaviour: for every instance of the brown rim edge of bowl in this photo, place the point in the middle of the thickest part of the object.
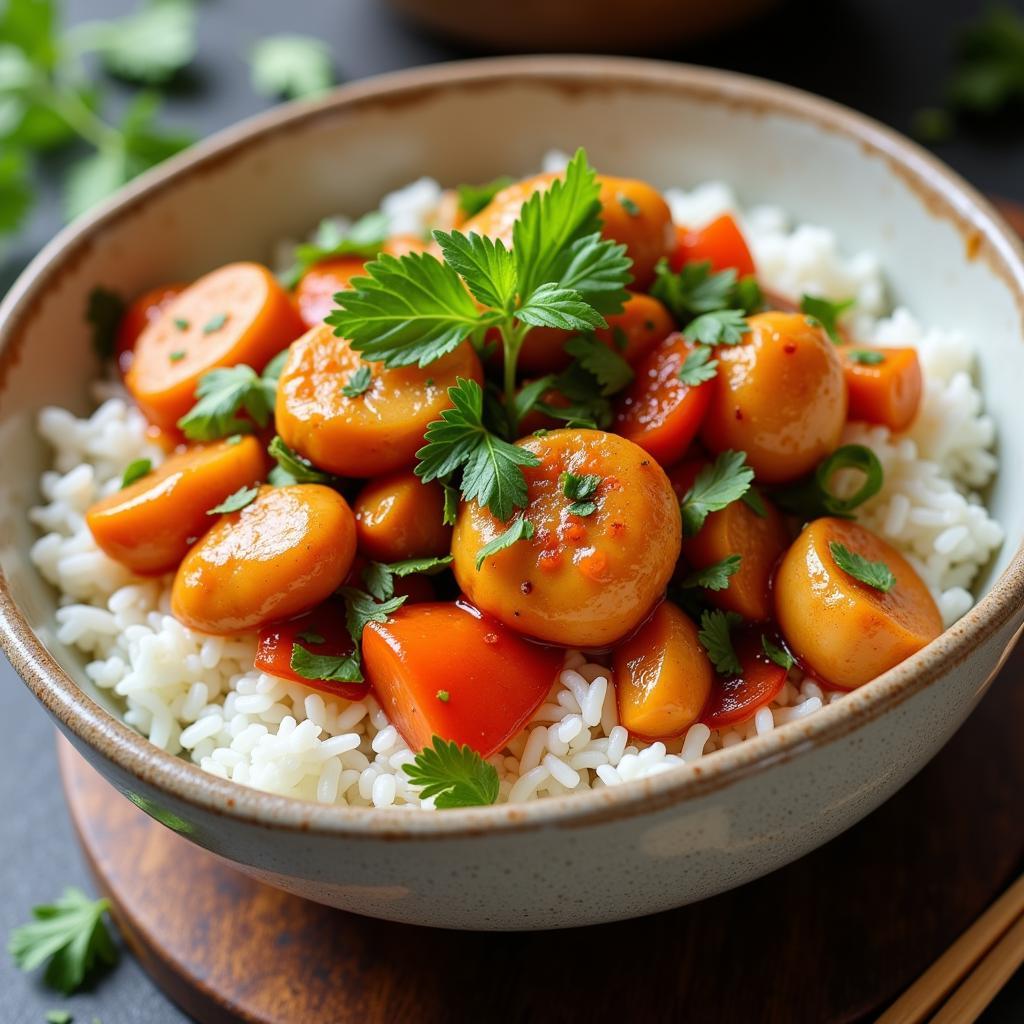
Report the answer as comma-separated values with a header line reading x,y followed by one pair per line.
x,y
943,193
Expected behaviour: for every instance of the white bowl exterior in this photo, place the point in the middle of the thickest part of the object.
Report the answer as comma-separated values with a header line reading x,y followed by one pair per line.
x,y
342,161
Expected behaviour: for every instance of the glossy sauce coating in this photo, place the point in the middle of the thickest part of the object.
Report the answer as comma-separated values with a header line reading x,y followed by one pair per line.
x,y
149,306
150,524
235,314
400,517
843,630
490,680
780,396
662,675
736,699
582,581
888,392
281,555
376,432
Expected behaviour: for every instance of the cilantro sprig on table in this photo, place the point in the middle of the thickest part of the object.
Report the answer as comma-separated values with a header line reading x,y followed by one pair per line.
x,y
71,934
415,309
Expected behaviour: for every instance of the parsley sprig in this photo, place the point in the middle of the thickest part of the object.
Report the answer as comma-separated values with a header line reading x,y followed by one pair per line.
x,y
726,480
826,314
333,239
455,776
580,489
71,934
222,394
874,574
715,636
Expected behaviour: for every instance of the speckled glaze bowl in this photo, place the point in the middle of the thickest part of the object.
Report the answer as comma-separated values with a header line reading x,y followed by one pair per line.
x,y
611,853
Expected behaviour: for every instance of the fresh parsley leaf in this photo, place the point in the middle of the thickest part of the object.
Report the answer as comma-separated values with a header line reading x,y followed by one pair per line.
x,y
826,313
726,480
580,490
521,529
272,371
291,65
722,327
456,777
715,576
333,239
698,367
309,637
176,356
585,403
777,654
611,370
598,269
296,468
136,470
149,46
473,198
715,637
486,265
530,394
409,310
865,356
358,383
443,696
361,608
451,503
103,313
491,473
563,308
235,502
694,289
222,394
874,574
753,500
71,934
379,576
345,668
215,323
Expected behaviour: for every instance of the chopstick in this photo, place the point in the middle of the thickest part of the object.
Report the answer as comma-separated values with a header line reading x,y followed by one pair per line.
x,y
993,948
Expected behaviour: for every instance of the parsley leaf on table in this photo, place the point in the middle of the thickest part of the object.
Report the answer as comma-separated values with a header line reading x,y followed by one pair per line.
x,y
490,466
222,394
473,198
715,637
726,480
521,529
874,574
715,576
826,313
291,65
455,776
71,934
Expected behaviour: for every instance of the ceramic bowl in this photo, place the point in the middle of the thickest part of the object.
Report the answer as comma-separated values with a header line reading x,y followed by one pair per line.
x,y
610,853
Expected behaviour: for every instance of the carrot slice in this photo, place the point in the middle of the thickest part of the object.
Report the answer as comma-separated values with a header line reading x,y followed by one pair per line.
x,y
842,629
738,698
658,411
376,431
662,675
721,243
150,524
282,554
886,390
400,517
235,314
143,311
482,690
322,631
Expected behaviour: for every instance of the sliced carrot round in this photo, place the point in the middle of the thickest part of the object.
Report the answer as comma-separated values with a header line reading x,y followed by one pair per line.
x,y
662,675
282,554
235,314
841,628
720,243
376,431
141,312
735,699
481,691
399,517
150,524
884,385
658,411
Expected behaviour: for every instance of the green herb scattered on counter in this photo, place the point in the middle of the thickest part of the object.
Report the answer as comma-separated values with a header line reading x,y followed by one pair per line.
x,y
454,776
291,66
71,935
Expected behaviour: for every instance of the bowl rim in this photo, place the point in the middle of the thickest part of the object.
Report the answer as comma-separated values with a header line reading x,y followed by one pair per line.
x,y
945,194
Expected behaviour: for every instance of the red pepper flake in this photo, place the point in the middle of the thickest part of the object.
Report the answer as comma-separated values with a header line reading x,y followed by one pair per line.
x,y
616,528
526,587
739,413
574,532
789,348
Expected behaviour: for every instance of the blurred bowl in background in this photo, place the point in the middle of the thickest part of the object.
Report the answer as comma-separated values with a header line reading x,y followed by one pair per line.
x,y
583,26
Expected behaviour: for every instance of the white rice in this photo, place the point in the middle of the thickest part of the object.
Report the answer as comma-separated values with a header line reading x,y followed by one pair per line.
x,y
201,697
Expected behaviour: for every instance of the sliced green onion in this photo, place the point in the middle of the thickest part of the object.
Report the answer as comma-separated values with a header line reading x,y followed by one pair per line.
x,y
813,497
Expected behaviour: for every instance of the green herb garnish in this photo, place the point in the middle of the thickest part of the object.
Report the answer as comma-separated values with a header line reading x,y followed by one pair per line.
x,y
521,529
715,637
610,370
443,696
379,577
71,935
235,502
874,574
826,314
473,198
358,383
777,654
715,576
721,327
628,205
293,468
866,356
136,470
176,356
813,497
580,490
456,777
364,239
726,480
222,394
215,323
698,367
334,668
181,323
